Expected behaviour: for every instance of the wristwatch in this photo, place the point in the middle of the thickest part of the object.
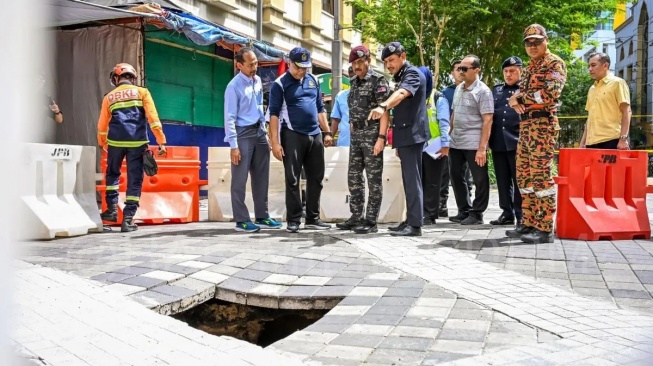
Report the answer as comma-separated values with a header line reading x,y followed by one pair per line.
x,y
623,137
382,137
384,107
327,133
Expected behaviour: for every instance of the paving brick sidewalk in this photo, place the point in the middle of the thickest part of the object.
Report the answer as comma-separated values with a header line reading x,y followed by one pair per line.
x,y
464,294
62,319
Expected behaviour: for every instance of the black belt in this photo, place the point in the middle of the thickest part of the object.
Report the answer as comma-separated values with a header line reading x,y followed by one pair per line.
x,y
255,125
366,123
538,114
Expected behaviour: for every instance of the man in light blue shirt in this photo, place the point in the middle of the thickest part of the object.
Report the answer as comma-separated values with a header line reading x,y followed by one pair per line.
x,y
250,152
432,168
340,115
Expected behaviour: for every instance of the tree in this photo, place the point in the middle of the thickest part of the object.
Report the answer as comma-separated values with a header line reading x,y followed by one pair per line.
x,y
435,30
574,97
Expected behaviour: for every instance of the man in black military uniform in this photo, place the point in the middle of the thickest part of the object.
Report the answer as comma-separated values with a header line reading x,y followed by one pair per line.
x,y
410,131
368,136
503,143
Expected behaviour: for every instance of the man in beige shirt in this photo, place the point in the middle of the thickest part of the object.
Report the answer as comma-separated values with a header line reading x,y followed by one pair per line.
x,y
608,107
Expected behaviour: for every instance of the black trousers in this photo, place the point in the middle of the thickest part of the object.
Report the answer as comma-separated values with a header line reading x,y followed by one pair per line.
x,y
610,144
444,184
302,151
458,159
411,174
505,169
431,178
134,156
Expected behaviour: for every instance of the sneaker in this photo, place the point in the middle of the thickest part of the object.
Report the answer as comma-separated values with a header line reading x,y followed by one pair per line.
x,y
247,227
350,224
268,223
292,227
316,224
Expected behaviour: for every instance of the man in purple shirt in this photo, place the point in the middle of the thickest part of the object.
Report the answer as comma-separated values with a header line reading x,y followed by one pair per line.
x,y
250,152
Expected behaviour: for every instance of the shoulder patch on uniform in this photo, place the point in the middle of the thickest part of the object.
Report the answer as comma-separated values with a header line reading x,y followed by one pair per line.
x,y
381,89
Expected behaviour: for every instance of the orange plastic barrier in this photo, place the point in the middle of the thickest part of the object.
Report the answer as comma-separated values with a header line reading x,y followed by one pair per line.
x,y
602,195
172,195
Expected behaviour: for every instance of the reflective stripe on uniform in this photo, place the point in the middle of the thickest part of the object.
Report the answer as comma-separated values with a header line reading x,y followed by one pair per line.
x,y
112,188
115,143
132,198
156,125
103,133
127,104
526,190
546,192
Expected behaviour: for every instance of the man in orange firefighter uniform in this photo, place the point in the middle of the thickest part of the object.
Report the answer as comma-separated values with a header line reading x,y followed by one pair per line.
x,y
122,132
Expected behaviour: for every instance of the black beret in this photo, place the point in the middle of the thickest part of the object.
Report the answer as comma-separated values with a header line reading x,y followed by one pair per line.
x,y
392,48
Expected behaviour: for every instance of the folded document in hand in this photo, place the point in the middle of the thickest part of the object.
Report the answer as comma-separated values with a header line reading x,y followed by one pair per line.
x,y
433,147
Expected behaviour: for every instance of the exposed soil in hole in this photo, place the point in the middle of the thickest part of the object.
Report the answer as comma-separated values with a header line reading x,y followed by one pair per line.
x,y
261,326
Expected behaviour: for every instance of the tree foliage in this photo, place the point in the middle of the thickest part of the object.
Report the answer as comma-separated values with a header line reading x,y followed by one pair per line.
x,y
574,98
435,32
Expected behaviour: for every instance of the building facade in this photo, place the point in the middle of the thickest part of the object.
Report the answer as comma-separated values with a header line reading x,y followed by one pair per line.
x,y
286,24
634,49
601,39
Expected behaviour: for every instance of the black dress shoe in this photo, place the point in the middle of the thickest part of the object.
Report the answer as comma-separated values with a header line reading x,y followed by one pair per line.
x,y
502,220
519,231
366,227
399,227
537,237
428,221
472,220
443,212
460,217
408,231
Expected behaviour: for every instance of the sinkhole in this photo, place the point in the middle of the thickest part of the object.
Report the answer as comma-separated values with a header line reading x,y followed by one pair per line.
x,y
257,325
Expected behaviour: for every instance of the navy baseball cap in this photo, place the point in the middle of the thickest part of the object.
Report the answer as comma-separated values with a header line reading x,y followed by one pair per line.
x,y
511,61
301,57
392,48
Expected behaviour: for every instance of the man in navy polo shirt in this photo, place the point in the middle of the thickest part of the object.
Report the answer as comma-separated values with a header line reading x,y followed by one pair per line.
x,y
410,131
296,137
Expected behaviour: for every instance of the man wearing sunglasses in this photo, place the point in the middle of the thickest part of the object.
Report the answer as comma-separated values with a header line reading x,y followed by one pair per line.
x,y
537,101
471,120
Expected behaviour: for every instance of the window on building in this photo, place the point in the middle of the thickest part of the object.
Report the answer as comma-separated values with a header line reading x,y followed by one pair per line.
x,y
621,54
630,48
327,5
629,74
620,73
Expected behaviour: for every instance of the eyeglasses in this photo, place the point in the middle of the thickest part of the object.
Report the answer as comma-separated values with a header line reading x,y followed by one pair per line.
x,y
465,68
534,43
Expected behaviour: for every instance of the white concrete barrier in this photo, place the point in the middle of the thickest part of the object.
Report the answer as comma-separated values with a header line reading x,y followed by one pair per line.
x,y
219,187
59,192
393,205
334,203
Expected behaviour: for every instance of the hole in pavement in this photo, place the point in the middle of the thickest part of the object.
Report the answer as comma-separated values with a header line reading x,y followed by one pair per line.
x,y
261,326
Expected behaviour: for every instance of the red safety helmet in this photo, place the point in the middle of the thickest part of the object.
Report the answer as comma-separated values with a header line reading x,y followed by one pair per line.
x,y
122,69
